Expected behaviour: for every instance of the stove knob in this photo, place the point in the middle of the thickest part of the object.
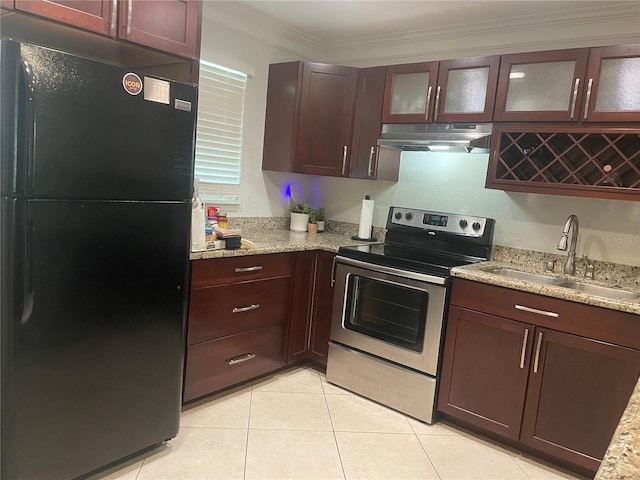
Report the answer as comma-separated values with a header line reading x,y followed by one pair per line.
x,y
463,223
476,226
398,215
408,215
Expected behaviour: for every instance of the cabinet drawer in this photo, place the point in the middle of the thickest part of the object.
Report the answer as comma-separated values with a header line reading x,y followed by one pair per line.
x,y
580,319
220,363
218,271
223,310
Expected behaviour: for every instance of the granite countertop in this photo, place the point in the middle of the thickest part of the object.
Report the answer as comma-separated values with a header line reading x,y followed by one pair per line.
x,y
279,241
478,272
622,460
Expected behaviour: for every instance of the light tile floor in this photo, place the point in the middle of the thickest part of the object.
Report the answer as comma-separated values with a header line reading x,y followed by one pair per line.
x,y
295,425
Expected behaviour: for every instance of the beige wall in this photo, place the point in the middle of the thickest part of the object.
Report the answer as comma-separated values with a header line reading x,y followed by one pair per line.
x,y
609,229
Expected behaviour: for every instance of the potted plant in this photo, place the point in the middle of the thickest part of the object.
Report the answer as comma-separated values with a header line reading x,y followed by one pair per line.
x,y
320,216
299,216
313,221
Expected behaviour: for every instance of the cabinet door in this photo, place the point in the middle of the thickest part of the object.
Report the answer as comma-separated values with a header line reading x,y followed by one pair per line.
x,y
578,389
541,86
326,119
322,308
94,15
301,306
368,121
409,93
172,26
484,371
466,90
8,4
613,84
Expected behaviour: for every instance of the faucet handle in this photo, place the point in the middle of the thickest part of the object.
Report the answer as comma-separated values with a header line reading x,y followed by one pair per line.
x,y
590,268
550,266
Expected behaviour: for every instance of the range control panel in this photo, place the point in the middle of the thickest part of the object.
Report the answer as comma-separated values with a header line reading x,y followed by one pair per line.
x,y
465,225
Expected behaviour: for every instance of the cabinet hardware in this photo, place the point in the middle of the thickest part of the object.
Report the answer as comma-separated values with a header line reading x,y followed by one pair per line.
x,y
537,359
333,272
524,347
248,269
587,101
242,358
426,115
344,158
535,310
371,153
246,309
129,14
114,18
435,110
575,96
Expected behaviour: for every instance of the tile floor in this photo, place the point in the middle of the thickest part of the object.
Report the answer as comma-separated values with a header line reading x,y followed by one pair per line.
x,y
295,425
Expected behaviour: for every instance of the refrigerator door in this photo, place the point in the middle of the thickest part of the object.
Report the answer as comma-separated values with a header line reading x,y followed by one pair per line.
x,y
95,368
89,130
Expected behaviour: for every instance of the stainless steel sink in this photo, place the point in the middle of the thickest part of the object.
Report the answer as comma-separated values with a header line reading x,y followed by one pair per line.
x,y
598,290
530,277
588,288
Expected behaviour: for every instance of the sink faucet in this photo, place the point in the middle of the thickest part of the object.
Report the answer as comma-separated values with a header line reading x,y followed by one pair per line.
x,y
570,264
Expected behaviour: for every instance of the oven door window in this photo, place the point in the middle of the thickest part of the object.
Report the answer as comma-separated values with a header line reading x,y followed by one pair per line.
x,y
388,311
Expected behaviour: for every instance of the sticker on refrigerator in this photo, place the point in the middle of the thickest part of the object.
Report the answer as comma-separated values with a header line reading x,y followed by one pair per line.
x,y
132,83
182,105
156,90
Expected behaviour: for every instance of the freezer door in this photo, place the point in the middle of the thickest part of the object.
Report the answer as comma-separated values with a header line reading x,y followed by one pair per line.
x,y
95,131
95,370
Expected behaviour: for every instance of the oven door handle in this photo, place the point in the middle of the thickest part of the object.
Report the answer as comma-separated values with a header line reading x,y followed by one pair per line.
x,y
422,277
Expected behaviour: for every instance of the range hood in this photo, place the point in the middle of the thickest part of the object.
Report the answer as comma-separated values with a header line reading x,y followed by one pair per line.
x,y
437,137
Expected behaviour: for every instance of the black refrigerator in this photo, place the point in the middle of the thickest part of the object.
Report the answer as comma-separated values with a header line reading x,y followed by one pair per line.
x,y
96,176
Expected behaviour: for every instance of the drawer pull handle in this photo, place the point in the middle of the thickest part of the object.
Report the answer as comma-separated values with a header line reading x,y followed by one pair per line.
x,y
246,309
242,358
535,363
248,269
524,347
535,310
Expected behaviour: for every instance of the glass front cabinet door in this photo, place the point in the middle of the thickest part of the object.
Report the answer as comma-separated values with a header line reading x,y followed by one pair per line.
x,y
409,93
613,85
541,86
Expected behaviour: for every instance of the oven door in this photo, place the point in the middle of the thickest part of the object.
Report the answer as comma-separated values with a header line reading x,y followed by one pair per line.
x,y
389,313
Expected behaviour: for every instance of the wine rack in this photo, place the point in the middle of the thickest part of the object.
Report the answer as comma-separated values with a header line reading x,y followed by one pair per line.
x,y
580,161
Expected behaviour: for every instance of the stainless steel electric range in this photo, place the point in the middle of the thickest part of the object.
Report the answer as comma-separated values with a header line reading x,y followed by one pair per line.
x,y
390,305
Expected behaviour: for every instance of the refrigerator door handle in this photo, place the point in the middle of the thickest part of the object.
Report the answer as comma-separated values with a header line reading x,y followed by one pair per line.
x,y
27,276
27,136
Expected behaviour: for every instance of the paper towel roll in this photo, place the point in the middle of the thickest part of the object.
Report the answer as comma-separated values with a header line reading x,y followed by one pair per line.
x,y
366,219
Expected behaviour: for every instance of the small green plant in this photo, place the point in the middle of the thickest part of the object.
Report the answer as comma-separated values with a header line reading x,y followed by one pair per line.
x,y
321,216
299,207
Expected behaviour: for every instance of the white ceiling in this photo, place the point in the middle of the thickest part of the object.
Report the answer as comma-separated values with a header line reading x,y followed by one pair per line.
x,y
338,21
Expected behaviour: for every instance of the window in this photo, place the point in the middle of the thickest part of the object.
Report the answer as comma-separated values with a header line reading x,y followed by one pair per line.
x,y
219,134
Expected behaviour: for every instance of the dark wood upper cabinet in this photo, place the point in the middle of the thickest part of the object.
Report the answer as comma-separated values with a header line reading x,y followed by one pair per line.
x,y
367,159
410,93
172,26
309,118
95,15
613,85
541,86
448,91
325,119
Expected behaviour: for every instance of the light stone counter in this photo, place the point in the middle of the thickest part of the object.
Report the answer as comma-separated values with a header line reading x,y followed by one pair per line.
x,y
279,241
622,460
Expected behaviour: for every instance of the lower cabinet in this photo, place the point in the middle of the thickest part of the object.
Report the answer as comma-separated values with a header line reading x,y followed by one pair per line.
x,y
238,320
554,376
311,308
253,314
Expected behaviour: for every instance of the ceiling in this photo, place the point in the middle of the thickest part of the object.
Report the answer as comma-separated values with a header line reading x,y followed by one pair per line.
x,y
338,21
